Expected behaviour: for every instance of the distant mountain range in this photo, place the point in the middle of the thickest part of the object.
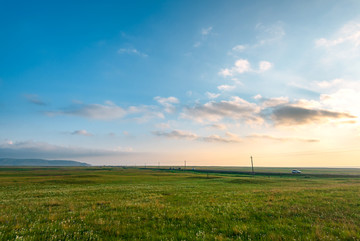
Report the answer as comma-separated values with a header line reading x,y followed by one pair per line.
x,y
40,162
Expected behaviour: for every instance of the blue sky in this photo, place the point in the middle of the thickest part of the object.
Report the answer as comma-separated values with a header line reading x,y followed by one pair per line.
x,y
212,82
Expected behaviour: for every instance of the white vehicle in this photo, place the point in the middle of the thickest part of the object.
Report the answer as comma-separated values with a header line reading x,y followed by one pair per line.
x,y
295,171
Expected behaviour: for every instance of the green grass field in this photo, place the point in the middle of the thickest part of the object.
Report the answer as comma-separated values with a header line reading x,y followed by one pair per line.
x,y
103,203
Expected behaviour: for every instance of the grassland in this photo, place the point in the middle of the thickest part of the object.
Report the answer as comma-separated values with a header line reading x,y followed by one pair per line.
x,y
136,204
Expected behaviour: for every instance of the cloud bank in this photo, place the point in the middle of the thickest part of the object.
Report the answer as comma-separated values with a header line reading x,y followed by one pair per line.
x,y
32,149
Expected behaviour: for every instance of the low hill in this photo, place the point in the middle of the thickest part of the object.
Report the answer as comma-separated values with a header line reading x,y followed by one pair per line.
x,y
39,162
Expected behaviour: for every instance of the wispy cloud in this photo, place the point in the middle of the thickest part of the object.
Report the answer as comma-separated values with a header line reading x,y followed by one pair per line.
x,y
212,95
197,44
109,111
269,33
218,126
342,47
206,31
177,134
132,51
144,113
162,125
81,133
348,34
228,138
34,99
280,139
239,48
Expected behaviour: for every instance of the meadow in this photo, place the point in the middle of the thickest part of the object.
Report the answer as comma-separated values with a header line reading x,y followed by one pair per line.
x,y
115,203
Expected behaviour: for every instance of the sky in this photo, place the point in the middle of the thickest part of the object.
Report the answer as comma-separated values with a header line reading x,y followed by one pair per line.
x,y
209,82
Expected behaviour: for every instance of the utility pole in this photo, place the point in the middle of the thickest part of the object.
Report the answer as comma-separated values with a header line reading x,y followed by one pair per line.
x,y
145,165
158,165
184,165
252,165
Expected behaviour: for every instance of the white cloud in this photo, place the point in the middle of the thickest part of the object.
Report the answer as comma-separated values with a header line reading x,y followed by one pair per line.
x,y
264,66
131,51
344,99
339,94
239,48
329,84
225,72
167,103
242,66
212,95
257,97
226,87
